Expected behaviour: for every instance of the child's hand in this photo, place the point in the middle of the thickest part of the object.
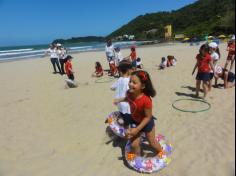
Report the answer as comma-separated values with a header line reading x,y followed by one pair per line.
x,y
132,132
115,102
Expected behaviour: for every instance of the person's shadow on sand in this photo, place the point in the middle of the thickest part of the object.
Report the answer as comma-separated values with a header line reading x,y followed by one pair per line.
x,y
117,142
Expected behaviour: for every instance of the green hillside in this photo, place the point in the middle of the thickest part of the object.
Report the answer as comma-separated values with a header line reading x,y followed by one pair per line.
x,y
202,17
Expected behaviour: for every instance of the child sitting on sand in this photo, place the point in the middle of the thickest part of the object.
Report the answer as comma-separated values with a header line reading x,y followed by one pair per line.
x,y
68,68
121,86
163,63
139,64
141,120
224,74
171,61
98,70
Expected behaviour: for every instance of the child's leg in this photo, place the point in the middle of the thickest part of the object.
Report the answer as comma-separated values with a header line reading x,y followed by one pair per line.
x,y
232,63
153,142
210,85
135,144
226,63
198,84
205,86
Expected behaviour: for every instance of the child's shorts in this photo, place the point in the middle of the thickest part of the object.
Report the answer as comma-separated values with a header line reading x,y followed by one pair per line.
x,y
129,121
203,76
71,77
211,76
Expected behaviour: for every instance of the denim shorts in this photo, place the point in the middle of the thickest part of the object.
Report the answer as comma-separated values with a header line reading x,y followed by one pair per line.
x,y
203,76
128,120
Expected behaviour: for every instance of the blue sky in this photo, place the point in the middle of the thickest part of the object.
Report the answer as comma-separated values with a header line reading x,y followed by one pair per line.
x,y
26,22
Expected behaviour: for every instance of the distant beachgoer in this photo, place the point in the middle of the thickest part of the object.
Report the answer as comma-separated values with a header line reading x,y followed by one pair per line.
x,y
141,119
98,70
61,54
204,64
139,64
171,61
132,57
68,68
224,74
163,63
110,53
54,57
118,56
231,54
215,56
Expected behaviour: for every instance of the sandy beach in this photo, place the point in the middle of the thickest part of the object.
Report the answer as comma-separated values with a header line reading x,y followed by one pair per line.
x,y
47,130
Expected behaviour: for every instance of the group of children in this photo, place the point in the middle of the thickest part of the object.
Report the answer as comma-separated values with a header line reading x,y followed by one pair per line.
x,y
114,57
208,69
170,61
60,60
134,90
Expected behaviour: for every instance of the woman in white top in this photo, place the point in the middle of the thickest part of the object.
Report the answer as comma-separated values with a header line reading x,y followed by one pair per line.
x,y
54,58
61,54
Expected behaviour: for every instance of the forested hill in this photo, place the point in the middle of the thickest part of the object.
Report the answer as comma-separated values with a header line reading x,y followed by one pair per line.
x,y
200,18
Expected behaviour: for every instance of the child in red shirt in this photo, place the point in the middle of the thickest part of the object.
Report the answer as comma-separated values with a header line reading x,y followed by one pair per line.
x,y
141,120
132,57
98,70
204,62
68,67
231,54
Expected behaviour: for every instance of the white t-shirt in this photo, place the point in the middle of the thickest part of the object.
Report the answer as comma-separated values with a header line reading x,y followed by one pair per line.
x,y
121,86
118,57
109,51
53,52
215,56
61,53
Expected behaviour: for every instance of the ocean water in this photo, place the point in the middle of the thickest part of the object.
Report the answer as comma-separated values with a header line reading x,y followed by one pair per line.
x,y
37,51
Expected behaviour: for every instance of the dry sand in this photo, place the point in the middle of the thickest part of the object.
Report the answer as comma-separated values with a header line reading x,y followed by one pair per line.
x,y
47,130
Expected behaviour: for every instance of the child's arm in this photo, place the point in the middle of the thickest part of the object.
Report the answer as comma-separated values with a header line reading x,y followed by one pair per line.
x,y
116,101
194,68
134,131
114,86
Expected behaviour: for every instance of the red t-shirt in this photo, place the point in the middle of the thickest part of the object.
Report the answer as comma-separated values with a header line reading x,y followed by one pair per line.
x,y
133,55
138,105
232,49
203,63
99,70
68,67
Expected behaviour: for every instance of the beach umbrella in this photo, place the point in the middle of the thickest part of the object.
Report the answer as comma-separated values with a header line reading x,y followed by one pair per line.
x,y
222,36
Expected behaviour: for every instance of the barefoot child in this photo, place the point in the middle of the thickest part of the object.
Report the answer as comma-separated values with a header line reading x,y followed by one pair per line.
x,y
68,68
141,120
204,62
98,70
231,55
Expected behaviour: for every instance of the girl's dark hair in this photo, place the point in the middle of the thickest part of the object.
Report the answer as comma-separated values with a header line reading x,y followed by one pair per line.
x,y
146,81
98,65
163,59
124,67
205,48
138,59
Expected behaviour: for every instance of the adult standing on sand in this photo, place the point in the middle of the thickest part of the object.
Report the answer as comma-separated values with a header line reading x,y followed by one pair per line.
x,y
110,52
54,57
61,54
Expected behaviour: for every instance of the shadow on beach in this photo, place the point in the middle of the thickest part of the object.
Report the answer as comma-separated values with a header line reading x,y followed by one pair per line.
x,y
187,95
117,142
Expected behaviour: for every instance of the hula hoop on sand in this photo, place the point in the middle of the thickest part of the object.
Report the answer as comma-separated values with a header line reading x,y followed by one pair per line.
x,y
149,165
117,128
104,80
193,111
